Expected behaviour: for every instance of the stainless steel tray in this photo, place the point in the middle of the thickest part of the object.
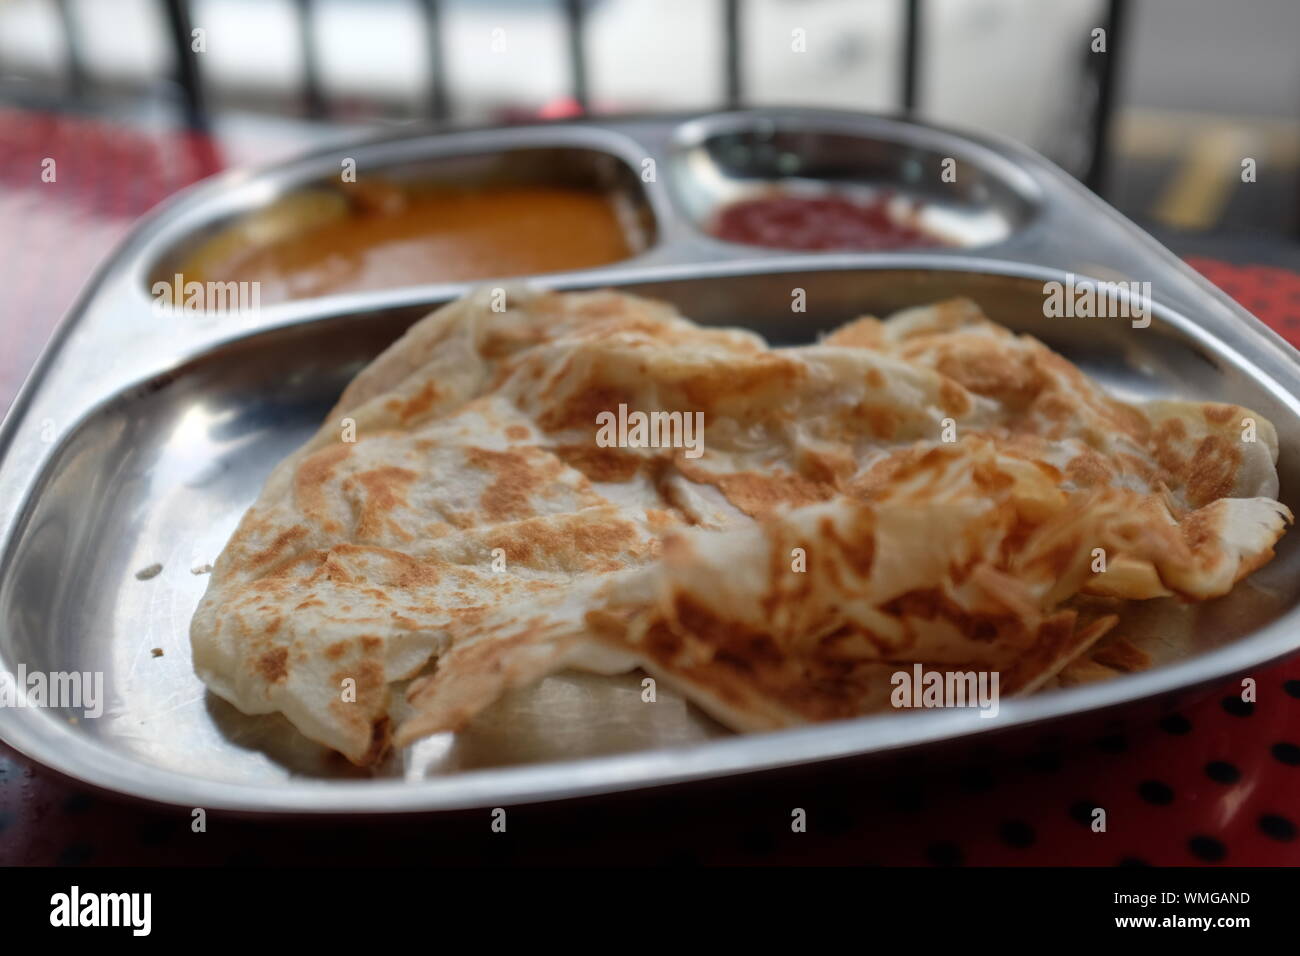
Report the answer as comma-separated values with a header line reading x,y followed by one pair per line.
x,y
141,438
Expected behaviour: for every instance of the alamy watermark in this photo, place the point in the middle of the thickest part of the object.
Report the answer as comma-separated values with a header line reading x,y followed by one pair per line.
x,y
239,298
133,911
925,689
651,430
63,690
1096,298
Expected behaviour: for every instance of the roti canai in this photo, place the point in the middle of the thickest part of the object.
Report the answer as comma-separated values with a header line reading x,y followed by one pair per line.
x,y
592,481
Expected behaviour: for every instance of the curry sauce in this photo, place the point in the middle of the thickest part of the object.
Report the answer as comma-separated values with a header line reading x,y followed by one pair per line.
x,y
383,236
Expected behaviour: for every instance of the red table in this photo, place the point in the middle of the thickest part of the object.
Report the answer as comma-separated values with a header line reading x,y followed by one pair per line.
x,y
1217,783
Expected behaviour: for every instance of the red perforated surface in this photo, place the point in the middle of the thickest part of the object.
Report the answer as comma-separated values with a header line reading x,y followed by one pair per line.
x,y
1219,782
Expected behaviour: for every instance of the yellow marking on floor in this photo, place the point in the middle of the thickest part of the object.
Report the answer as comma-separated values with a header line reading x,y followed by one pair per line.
x,y
1210,172
1145,133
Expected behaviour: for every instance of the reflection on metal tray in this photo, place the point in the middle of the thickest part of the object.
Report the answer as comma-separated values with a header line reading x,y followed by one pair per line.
x,y
142,438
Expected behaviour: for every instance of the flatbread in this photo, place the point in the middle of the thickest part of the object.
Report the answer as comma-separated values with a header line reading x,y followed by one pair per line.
x,y
929,489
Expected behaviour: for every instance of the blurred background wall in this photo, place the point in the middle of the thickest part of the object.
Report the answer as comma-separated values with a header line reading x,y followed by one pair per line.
x,y
1158,124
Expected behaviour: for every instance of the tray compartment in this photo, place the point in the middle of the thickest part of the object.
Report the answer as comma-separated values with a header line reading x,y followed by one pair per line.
x,y
441,190
724,160
162,472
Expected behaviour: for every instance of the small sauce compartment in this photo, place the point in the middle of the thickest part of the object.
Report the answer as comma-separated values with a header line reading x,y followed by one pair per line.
x,y
800,188
449,219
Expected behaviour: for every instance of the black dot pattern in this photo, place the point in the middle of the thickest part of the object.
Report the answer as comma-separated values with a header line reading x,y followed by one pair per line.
x,y
1176,724
1287,753
1112,744
1207,848
1220,771
1017,833
1234,705
1277,827
76,854
1081,812
1155,792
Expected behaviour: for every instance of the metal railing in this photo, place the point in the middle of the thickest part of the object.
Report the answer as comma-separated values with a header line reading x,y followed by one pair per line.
x,y
177,13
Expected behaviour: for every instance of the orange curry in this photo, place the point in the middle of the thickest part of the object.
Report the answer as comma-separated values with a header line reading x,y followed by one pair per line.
x,y
382,236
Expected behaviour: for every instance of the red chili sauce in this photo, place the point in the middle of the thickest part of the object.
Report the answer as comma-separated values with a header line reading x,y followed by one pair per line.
x,y
807,222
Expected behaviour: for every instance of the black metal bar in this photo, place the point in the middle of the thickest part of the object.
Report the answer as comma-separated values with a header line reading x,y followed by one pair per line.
x,y
1102,117
312,95
180,27
911,65
575,16
732,26
76,63
439,106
